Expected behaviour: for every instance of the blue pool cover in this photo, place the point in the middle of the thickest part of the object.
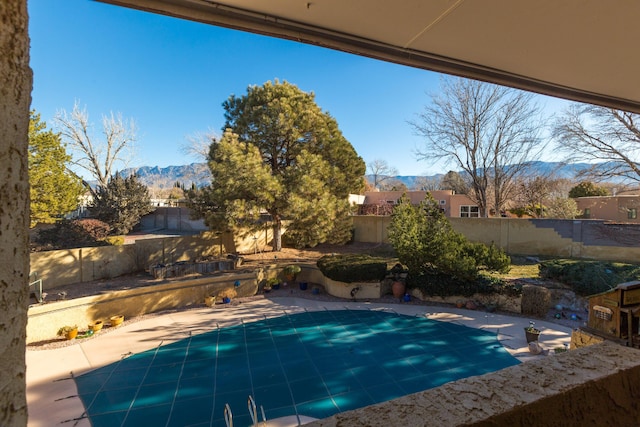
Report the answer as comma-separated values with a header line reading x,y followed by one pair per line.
x,y
313,363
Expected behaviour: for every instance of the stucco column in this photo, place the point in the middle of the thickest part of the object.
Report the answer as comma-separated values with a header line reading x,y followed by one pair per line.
x,y
15,100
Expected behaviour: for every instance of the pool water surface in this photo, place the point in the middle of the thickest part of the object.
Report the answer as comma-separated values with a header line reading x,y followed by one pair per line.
x,y
313,364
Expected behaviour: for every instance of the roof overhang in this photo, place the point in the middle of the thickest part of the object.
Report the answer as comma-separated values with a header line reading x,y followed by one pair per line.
x,y
580,50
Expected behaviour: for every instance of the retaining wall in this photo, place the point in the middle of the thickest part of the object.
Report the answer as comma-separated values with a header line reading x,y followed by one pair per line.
x,y
45,319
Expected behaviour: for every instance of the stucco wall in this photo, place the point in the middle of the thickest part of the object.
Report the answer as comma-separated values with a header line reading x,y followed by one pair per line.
x,y
614,208
15,99
589,239
64,267
44,320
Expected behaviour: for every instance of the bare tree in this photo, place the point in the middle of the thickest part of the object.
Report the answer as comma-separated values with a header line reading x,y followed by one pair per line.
x,y
99,157
199,144
492,133
380,171
426,183
533,194
608,138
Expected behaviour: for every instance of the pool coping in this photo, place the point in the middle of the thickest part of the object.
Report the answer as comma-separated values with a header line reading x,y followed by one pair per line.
x,y
52,394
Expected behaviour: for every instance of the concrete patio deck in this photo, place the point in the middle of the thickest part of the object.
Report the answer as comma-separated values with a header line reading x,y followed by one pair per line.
x,y
52,394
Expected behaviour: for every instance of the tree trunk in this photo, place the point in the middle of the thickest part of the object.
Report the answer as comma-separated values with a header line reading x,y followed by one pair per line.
x,y
15,87
277,234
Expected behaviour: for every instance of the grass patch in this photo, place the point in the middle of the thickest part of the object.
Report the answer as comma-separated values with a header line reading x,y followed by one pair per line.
x,y
522,267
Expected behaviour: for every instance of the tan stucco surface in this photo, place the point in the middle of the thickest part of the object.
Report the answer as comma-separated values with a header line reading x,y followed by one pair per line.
x,y
515,236
45,319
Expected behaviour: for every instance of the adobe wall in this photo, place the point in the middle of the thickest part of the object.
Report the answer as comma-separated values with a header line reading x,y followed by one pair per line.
x,y
589,239
15,99
591,386
69,266
45,319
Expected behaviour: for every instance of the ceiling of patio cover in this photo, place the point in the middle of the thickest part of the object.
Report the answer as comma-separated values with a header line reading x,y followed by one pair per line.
x,y
583,50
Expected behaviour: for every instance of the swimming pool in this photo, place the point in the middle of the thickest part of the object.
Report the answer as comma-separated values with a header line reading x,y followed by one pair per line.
x,y
314,363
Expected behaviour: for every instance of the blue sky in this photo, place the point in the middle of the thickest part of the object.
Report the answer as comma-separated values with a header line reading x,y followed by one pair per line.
x,y
171,76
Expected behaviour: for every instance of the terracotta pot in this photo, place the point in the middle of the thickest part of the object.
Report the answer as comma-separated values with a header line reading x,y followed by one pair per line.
x,y
72,334
398,288
209,301
96,326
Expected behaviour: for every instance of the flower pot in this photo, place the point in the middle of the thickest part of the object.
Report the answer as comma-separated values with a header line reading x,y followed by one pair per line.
x,y
303,286
116,320
209,301
406,298
398,288
532,336
96,326
71,334
276,286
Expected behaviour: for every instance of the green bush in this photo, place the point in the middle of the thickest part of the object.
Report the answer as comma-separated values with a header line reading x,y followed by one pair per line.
x,y
490,257
589,277
435,283
352,268
75,233
425,240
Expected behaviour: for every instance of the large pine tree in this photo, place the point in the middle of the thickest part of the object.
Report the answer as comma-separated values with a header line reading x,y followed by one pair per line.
x,y
281,155
54,190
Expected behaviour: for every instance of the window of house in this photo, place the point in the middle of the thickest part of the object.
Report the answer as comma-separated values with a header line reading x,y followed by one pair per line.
x,y
469,212
632,213
587,213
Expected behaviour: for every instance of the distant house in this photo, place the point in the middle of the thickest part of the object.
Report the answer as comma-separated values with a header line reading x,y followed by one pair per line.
x,y
453,205
620,208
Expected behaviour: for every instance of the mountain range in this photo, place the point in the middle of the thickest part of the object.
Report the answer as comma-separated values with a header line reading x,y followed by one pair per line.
x,y
199,174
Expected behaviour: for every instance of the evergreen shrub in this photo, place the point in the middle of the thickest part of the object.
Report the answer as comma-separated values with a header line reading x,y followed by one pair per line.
x,y
436,283
589,277
351,268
